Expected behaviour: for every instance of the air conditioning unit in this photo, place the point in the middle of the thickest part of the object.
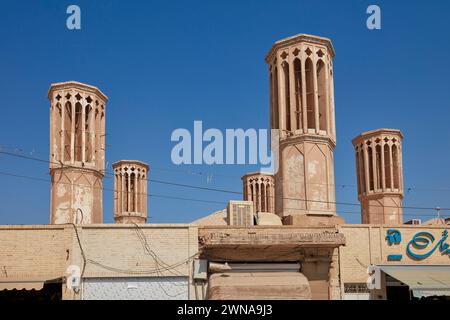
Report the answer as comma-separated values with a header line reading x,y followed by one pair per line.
x,y
414,221
240,213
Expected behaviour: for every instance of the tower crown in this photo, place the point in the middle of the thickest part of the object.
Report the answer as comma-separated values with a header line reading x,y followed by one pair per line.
x,y
68,85
77,125
301,37
301,86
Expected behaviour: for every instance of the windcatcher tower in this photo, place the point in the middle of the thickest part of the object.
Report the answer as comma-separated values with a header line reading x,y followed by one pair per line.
x,y
302,108
259,187
77,152
379,173
130,191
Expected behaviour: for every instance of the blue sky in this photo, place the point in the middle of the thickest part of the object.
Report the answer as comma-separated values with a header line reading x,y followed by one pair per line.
x,y
165,64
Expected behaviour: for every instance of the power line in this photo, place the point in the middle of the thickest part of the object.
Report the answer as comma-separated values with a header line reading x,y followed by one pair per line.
x,y
210,174
234,192
107,189
83,255
200,200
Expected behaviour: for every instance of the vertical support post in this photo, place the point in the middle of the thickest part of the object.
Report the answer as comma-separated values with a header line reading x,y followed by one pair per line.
x,y
327,102
254,199
63,133
383,169
92,131
316,97
281,99
292,95
374,165
400,168
83,129
391,168
136,194
72,130
304,106
366,168
129,192
362,172
333,121
124,191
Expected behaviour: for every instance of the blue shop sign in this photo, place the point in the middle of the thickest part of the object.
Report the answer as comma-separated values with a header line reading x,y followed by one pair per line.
x,y
422,241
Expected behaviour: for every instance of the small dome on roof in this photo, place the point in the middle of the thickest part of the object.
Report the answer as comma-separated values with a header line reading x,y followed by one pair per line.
x,y
268,219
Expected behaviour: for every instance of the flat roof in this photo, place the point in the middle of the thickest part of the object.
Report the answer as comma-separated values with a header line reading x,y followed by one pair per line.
x,y
371,133
75,84
301,37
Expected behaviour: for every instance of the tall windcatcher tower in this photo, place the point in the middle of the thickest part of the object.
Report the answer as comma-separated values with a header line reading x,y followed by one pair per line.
x,y
77,152
302,108
379,173
130,191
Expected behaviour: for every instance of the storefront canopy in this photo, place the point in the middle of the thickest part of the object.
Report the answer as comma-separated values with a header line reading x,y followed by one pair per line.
x,y
35,283
22,285
424,281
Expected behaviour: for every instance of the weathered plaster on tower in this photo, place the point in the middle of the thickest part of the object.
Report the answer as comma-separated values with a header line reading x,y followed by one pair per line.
x,y
379,171
302,107
259,187
77,152
130,191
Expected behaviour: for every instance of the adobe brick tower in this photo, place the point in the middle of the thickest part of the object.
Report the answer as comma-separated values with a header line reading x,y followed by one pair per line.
x,y
378,156
302,107
77,152
259,188
130,191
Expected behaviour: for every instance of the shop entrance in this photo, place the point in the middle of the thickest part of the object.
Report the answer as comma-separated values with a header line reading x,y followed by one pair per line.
x,y
411,282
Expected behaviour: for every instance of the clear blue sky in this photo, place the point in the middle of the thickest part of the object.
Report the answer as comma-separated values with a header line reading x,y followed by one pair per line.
x,y
165,64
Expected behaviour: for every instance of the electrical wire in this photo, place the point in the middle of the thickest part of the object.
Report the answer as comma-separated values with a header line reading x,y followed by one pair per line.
x,y
83,255
236,192
209,201
210,174
160,265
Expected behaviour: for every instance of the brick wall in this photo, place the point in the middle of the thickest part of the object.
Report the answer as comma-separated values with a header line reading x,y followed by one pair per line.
x,y
45,252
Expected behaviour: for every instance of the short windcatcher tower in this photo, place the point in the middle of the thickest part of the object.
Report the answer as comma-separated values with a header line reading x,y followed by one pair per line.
x,y
130,191
379,175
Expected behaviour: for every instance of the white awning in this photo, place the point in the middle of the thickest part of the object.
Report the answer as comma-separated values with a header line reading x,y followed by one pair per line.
x,y
422,280
430,293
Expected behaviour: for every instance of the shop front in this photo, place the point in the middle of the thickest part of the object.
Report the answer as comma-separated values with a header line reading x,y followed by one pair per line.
x,y
270,262
416,282
395,263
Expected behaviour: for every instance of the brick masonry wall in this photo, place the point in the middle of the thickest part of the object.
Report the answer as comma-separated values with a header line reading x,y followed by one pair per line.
x,y
32,252
45,252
